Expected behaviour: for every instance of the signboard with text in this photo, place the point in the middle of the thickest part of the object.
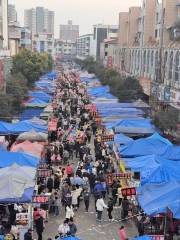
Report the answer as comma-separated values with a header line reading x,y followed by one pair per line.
x,y
127,192
40,199
117,176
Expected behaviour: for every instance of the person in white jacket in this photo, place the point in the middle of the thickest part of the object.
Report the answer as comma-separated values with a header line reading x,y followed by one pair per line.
x,y
69,212
100,205
64,229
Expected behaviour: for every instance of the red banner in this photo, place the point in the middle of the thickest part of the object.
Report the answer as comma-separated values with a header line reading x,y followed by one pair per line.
x,y
40,199
44,173
127,192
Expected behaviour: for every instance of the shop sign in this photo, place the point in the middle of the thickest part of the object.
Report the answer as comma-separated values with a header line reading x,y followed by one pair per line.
x,y
43,166
40,199
127,192
157,237
22,218
107,138
43,173
117,176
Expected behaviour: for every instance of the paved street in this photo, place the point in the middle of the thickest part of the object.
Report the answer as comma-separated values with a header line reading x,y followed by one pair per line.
x,y
88,229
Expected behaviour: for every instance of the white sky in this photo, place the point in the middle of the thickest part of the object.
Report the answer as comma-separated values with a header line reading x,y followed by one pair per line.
x,y
85,13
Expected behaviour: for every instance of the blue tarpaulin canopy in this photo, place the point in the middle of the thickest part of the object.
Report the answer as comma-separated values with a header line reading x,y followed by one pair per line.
x,y
40,95
156,198
105,112
145,237
146,146
30,113
114,105
122,139
101,92
20,127
51,75
26,197
172,152
22,159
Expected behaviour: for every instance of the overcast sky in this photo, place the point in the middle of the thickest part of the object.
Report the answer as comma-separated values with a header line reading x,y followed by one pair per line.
x,y
82,12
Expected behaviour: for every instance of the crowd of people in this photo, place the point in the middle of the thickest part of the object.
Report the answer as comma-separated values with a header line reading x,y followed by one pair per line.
x,y
79,162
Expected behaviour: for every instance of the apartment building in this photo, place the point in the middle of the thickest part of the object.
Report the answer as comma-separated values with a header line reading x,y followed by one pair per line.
x,y
69,32
84,46
65,49
43,42
148,47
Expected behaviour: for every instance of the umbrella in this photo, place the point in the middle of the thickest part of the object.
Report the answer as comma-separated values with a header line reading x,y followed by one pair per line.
x,y
77,181
33,136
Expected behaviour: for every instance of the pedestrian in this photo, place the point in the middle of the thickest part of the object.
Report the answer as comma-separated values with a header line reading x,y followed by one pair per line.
x,y
39,226
110,209
50,184
72,227
69,212
56,205
122,233
28,235
100,205
125,208
74,194
64,229
86,196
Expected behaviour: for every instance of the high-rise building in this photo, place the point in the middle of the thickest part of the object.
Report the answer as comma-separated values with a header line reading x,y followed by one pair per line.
x,y
4,24
30,20
69,32
12,13
39,20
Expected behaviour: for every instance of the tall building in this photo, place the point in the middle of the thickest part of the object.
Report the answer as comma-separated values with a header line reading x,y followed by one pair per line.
x,y
84,46
4,24
12,13
69,32
30,20
100,33
39,20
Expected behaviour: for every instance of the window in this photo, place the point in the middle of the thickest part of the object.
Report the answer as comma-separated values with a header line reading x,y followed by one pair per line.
x,y
165,64
152,61
170,66
156,66
177,62
148,61
144,62
156,33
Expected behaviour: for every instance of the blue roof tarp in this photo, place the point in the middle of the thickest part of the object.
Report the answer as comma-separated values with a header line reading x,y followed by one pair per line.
x,y
71,238
114,105
115,111
20,127
51,75
40,95
156,198
101,92
145,237
9,158
172,152
26,197
30,113
146,146
122,139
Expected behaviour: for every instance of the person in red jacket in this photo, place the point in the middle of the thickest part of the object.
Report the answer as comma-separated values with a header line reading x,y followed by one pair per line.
x,y
69,170
122,233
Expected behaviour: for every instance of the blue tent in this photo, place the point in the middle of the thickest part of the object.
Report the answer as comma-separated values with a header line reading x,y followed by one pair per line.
x,y
52,75
156,198
172,152
167,171
40,95
119,111
145,237
71,238
26,197
30,113
114,105
20,127
122,139
146,146
22,159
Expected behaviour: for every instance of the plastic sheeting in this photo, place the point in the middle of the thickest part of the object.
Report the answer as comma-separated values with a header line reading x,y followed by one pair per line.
x,y
105,112
114,105
25,198
40,95
172,152
146,146
30,113
145,237
156,198
20,127
36,102
121,139
15,179
34,149
22,159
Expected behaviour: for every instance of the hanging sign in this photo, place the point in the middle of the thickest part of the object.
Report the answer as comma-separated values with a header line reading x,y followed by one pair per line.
x,y
43,173
22,218
127,192
157,237
40,199
116,176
